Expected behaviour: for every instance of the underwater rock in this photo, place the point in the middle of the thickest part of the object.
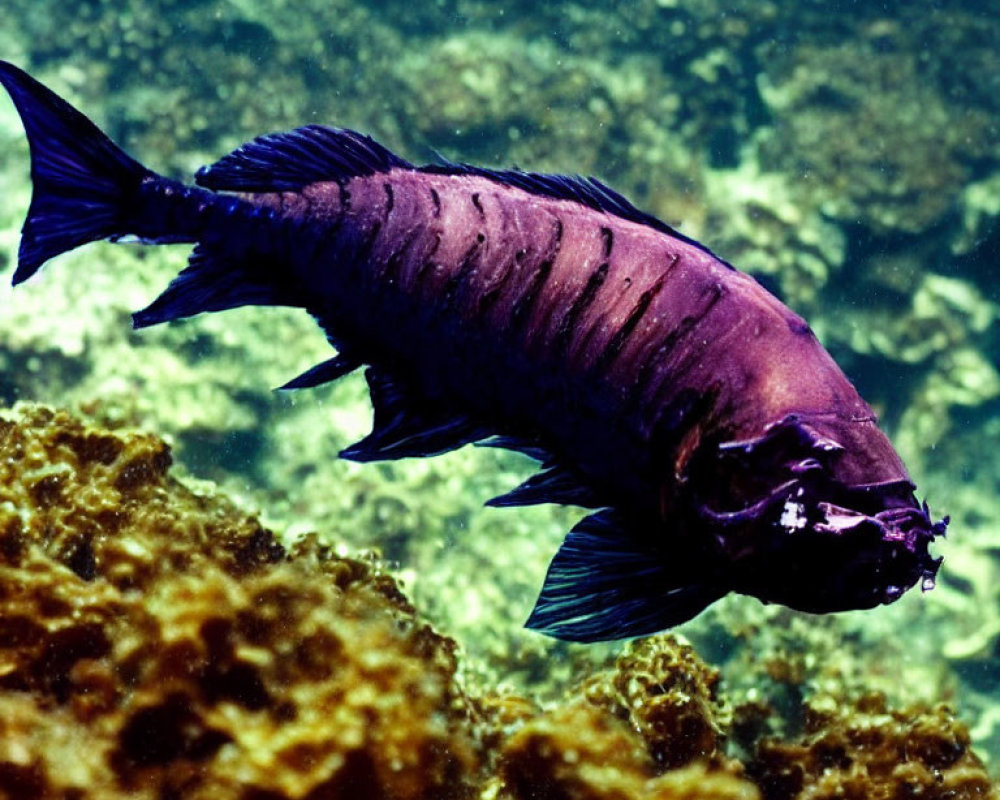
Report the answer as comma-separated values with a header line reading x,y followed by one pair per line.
x,y
154,642
580,752
867,750
764,226
651,727
158,642
669,697
875,141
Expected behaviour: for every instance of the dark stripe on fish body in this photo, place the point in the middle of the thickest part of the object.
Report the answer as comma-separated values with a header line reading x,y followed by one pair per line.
x,y
460,275
636,354
389,271
426,263
609,241
617,341
567,325
671,371
436,200
491,293
389,199
520,310
495,279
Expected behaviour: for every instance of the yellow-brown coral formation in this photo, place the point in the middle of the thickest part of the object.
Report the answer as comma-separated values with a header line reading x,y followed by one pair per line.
x,y
154,643
669,696
870,752
159,643
582,752
652,727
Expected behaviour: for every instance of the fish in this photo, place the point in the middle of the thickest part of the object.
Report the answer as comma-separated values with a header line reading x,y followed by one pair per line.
x,y
716,443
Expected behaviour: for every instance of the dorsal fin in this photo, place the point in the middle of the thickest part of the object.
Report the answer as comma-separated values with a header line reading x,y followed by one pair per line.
x,y
406,426
285,162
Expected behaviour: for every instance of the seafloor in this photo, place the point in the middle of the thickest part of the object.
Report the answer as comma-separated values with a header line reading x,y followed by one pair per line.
x,y
845,154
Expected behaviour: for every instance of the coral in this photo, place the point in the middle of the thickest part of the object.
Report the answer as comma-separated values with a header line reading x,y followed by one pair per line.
x,y
190,651
195,655
870,752
653,726
580,752
157,642
667,695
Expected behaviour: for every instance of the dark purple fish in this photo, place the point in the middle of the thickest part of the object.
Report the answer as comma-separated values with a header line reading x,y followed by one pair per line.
x,y
720,444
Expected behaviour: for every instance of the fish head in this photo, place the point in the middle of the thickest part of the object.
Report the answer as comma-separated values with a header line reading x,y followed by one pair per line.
x,y
819,516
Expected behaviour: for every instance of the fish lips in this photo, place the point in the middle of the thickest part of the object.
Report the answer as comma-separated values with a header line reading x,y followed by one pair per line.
x,y
819,556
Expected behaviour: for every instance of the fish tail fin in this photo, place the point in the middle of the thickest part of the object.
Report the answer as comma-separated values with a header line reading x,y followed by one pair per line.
x,y
83,184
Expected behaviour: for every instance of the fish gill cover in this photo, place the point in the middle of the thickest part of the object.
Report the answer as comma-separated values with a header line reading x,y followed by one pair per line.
x,y
771,131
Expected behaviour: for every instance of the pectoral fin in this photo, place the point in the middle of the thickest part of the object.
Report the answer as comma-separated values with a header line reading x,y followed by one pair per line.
x,y
605,584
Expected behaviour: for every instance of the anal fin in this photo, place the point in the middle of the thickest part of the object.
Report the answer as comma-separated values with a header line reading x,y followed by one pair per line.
x,y
213,282
409,426
528,447
325,372
552,485
605,583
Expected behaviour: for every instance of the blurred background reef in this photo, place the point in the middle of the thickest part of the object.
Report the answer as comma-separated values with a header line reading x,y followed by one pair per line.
x,y
845,153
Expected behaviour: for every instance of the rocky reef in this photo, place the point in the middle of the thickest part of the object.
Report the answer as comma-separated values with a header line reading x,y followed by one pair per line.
x,y
867,750
845,154
159,643
155,641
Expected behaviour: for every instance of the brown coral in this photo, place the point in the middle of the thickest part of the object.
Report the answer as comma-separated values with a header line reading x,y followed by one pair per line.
x,y
669,696
871,752
651,727
156,643
582,752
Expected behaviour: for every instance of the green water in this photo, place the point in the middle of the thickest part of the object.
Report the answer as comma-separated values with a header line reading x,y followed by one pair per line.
x,y
846,155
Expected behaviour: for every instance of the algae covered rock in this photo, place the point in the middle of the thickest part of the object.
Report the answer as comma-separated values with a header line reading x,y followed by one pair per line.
x,y
669,697
652,727
867,750
581,752
871,133
157,643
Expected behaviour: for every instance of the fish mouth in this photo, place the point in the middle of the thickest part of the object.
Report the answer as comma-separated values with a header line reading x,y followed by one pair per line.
x,y
788,520
828,555
818,546
901,542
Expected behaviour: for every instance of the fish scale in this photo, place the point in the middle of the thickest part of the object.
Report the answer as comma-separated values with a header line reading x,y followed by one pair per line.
x,y
720,444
